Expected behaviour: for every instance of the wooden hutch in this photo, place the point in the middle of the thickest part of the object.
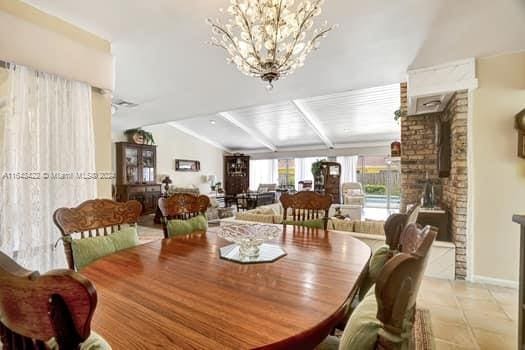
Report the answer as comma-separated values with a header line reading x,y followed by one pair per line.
x,y
136,175
332,180
236,175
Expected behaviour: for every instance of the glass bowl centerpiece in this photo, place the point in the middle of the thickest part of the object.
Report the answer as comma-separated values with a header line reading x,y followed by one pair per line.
x,y
249,238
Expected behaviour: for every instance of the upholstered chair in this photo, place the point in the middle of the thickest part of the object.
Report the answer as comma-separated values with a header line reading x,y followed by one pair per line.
x,y
353,193
183,213
50,311
97,228
394,226
385,317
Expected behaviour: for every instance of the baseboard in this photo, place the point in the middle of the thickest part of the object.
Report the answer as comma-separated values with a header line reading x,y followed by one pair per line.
x,y
495,281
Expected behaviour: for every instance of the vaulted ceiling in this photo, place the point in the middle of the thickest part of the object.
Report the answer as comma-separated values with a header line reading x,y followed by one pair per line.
x,y
164,65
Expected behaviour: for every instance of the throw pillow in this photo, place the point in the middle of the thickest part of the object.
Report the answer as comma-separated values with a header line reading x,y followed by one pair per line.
x,y
355,192
343,225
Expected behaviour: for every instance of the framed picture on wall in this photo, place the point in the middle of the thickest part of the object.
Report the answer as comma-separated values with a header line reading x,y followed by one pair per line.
x,y
187,165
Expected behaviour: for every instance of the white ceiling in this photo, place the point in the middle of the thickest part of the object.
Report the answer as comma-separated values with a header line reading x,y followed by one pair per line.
x,y
164,65
333,121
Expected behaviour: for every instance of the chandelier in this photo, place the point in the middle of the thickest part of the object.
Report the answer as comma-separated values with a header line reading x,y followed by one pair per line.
x,y
269,39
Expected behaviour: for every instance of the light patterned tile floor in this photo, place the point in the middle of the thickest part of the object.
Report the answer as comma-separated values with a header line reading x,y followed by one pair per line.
x,y
470,316
464,315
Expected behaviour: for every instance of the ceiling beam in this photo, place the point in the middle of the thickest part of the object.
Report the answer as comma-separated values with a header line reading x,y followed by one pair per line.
x,y
197,136
312,121
254,134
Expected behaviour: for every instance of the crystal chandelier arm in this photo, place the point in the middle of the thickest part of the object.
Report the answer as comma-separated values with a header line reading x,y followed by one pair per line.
x,y
319,35
277,22
228,35
303,23
249,30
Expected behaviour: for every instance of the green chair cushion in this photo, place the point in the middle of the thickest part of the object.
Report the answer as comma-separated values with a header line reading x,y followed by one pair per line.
x,y
94,342
375,265
125,238
184,227
363,327
87,250
314,223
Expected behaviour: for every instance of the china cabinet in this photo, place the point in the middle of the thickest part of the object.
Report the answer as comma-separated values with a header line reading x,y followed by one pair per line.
x,y
236,174
136,175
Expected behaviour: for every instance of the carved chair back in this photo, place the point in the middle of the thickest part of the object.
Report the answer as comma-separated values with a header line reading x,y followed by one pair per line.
x,y
306,205
96,217
182,206
398,283
35,308
396,224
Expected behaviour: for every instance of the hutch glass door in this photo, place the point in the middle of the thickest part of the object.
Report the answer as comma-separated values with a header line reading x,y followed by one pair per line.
x,y
132,162
148,165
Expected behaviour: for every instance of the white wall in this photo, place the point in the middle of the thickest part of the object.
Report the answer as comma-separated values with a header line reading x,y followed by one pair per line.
x,y
499,175
173,144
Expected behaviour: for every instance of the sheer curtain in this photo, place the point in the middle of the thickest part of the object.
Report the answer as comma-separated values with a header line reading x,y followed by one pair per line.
x,y
348,168
47,154
303,169
263,171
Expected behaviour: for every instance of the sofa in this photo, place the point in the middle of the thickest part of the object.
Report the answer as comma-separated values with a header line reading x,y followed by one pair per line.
x,y
442,255
264,195
273,213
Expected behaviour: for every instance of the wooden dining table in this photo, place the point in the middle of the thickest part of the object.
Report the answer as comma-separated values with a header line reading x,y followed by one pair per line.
x,y
179,294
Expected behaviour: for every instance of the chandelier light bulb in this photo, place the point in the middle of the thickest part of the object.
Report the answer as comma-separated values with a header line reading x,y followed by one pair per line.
x,y
269,39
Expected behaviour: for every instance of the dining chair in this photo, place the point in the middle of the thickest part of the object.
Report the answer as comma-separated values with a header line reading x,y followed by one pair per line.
x,y
49,311
385,317
394,227
183,213
306,208
97,228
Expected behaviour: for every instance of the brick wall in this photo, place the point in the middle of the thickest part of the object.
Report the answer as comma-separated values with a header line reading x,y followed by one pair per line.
x,y
418,152
419,158
455,186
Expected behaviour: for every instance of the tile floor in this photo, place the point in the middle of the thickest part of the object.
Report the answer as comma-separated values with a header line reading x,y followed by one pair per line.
x,y
471,316
464,315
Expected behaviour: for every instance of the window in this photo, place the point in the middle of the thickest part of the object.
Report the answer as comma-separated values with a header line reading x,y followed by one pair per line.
x,y
262,171
380,178
286,173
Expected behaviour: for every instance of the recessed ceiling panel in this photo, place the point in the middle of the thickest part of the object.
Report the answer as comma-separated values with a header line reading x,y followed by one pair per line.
x,y
220,131
358,115
281,123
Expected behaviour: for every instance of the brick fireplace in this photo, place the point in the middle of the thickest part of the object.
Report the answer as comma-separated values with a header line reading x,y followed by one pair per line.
x,y
420,156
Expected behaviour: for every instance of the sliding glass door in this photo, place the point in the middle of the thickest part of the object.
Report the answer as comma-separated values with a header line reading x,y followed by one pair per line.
x,y
380,178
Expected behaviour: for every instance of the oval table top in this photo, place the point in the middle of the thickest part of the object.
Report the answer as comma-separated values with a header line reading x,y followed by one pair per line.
x,y
178,293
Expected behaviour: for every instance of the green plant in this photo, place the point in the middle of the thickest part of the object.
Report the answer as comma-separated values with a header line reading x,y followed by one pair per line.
x,y
398,114
375,189
146,135
316,168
